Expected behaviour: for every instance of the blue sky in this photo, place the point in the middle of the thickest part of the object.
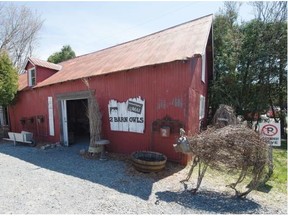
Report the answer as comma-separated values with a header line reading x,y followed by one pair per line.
x,y
94,25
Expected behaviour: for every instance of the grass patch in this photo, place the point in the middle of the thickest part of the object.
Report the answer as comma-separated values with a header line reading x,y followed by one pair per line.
x,y
279,177
276,183
283,144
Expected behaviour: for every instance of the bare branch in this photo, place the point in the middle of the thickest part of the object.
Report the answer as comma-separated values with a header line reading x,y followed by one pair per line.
x,y
270,11
19,27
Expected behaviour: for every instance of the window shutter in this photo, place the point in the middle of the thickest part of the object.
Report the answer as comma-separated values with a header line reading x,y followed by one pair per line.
x,y
202,107
203,68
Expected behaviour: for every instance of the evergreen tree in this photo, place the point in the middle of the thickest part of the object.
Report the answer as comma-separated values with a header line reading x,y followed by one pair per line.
x,y
250,58
8,80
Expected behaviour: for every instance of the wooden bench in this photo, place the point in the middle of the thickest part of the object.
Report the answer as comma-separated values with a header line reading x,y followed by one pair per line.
x,y
23,137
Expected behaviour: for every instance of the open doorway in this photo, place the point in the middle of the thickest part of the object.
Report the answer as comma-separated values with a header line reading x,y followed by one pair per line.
x,y
74,122
77,120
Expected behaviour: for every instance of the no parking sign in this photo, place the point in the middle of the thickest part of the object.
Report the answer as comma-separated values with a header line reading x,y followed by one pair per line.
x,y
272,132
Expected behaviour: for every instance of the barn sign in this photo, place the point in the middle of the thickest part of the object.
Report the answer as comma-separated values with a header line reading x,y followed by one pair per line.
x,y
272,132
127,116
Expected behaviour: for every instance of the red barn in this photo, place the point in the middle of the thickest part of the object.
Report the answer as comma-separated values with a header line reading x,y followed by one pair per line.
x,y
142,86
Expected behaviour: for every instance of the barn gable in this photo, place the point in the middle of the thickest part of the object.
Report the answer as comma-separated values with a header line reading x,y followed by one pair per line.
x,y
35,71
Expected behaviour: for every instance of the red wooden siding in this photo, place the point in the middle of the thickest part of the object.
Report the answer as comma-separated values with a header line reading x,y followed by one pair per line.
x,y
43,73
171,89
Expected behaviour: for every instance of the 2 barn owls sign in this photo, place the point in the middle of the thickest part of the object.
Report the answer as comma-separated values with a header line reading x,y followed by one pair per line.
x,y
127,116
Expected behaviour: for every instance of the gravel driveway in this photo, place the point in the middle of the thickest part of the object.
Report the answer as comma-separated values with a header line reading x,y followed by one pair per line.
x,y
60,180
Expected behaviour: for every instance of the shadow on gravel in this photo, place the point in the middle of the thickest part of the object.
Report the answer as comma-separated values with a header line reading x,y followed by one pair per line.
x,y
113,173
210,202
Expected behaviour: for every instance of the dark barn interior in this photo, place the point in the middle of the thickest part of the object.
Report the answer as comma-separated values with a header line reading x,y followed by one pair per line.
x,y
78,121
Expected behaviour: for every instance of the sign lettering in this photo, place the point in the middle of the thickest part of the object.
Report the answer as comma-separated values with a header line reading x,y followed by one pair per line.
x,y
134,107
127,116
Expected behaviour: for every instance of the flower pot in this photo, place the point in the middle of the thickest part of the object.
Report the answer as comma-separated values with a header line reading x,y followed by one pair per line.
x,y
148,161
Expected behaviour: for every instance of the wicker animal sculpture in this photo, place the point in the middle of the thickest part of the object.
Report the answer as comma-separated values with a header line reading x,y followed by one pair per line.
x,y
224,116
229,148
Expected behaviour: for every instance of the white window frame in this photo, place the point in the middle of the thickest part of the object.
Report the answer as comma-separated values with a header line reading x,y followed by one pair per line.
x,y
201,107
31,83
203,74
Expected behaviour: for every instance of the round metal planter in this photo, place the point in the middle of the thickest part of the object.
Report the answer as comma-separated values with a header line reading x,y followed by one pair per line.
x,y
148,161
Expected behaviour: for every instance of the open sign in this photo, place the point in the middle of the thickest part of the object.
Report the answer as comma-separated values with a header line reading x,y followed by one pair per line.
x,y
272,132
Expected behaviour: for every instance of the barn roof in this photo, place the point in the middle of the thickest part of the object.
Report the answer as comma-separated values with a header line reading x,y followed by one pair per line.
x,y
175,43
42,63
22,81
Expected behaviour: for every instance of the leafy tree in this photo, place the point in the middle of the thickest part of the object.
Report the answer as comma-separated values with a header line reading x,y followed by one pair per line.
x,y
250,59
227,38
264,59
19,27
261,66
274,14
227,47
8,79
66,53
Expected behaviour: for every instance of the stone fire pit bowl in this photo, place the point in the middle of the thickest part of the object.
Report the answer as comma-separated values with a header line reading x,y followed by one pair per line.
x,y
148,161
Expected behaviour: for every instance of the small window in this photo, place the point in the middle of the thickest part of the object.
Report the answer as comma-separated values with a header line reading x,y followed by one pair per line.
x,y
203,67
202,107
32,77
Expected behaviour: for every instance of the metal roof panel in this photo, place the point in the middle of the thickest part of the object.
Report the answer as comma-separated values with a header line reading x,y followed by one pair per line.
x,y
175,43
45,64
22,81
